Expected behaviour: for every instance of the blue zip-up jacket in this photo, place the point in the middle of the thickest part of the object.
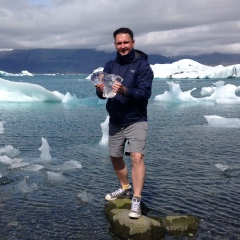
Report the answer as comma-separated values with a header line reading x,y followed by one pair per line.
x,y
137,77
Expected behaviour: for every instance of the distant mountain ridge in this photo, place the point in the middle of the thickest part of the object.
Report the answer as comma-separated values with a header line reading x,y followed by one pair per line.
x,y
87,60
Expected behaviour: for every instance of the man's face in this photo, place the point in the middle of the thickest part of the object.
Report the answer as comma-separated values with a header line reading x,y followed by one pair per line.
x,y
123,43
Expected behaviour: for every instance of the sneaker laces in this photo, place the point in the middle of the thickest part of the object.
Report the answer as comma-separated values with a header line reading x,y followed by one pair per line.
x,y
135,205
118,192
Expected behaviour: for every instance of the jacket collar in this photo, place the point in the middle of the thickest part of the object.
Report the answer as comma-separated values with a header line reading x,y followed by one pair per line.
x,y
128,58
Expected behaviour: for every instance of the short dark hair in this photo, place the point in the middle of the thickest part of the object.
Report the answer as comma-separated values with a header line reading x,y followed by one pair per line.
x,y
123,30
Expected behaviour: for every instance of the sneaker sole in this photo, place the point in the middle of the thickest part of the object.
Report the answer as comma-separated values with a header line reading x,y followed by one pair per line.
x,y
134,215
128,195
111,199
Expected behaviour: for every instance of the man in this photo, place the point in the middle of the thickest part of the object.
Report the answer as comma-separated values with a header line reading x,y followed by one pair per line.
x,y
128,115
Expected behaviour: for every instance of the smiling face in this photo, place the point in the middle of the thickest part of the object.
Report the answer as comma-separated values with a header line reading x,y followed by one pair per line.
x,y
123,43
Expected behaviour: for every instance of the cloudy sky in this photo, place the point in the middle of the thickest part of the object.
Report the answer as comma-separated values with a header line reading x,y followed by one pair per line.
x,y
166,27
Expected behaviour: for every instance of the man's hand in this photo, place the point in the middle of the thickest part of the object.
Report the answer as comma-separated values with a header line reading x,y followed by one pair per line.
x,y
117,87
99,87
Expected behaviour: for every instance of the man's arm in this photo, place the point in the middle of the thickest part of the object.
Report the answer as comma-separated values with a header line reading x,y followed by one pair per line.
x,y
99,90
144,85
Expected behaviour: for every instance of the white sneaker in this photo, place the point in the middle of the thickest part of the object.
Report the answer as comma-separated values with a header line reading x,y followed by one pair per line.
x,y
135,211
120,193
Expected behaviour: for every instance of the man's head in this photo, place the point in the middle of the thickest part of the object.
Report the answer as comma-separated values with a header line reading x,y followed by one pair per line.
x,y
123,40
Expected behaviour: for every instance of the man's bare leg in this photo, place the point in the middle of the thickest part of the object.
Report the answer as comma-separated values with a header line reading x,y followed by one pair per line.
x,y
138,178
138,173
120,169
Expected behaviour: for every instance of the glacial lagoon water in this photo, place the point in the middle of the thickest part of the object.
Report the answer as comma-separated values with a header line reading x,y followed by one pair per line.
x,y
192,167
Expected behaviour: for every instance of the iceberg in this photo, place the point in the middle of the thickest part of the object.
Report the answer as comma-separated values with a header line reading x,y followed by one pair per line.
x,y
4,74
187,68
68,98
219,94
45,150
190,69
175,94
23,73
26,92
218,121
11,91
26,73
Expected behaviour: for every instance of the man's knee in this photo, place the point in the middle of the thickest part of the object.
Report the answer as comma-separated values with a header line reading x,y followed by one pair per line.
x,y
137,158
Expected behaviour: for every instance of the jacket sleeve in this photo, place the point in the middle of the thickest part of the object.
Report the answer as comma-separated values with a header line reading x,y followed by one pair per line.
x,y
143,90
99,94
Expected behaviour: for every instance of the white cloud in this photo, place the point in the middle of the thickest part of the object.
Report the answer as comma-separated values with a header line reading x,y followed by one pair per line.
x,y
167,27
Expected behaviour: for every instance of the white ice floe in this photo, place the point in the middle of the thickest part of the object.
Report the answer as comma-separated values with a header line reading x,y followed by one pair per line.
x,y
13,162
68,165
175,94
70,99
23,73
104,129
25,187
33,167
72,164
221,166
85,196
55,176
2,126
6,160
219,93
10,151
45,150
18,164
218,121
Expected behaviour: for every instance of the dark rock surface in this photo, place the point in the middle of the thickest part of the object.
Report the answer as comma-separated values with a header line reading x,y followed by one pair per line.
x,y
147,227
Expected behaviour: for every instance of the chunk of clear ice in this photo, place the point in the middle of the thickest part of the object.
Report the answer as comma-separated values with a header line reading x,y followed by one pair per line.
x,y
108,80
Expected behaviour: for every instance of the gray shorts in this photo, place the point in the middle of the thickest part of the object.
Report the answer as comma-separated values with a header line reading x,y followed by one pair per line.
x,y
131,138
